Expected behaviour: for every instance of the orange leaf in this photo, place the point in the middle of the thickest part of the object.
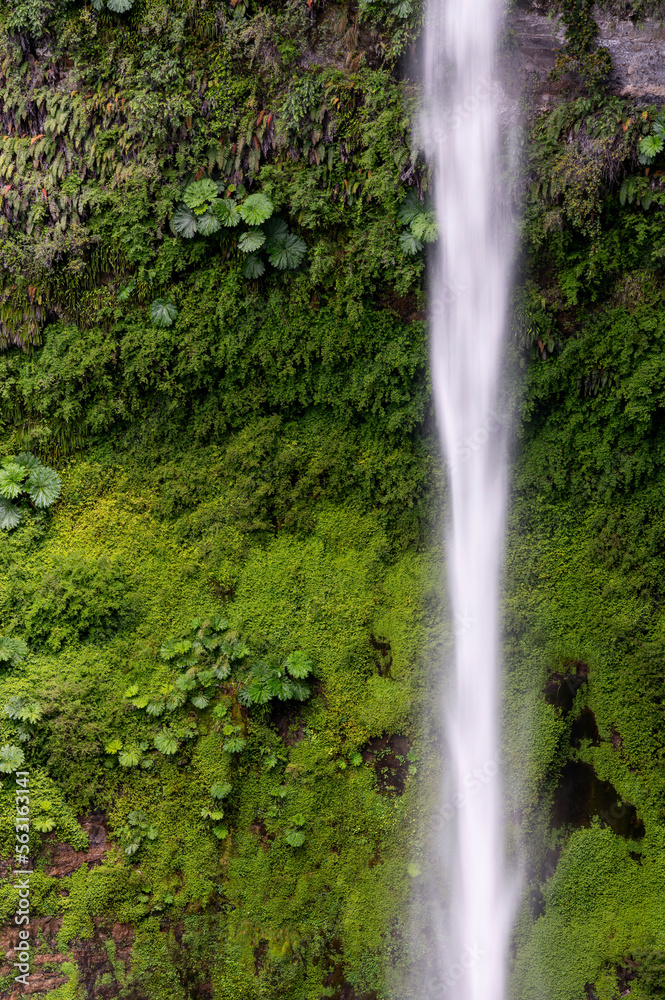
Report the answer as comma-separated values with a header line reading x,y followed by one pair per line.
x,y
44,192
35,137
260,118
269,119
199,174
7,189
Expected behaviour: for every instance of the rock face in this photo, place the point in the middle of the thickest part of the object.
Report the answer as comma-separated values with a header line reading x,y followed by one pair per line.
x,y
637,49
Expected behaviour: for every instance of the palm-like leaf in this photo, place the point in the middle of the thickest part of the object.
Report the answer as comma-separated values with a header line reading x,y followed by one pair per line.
x,y
10,515
234,745
299,665
27,460
184,222
649,148
173,648
208,224
43,486
286,252
295,838
409,243
163,313
120,6
409,209
11,758
11,480
251,240
200,701
166,743
275,228
257,208
220,789
44,824
227,212
129,758
199,193
12,650
424,227
253,266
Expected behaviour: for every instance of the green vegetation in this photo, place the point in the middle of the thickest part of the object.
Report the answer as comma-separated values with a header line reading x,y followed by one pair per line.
x,y
220,597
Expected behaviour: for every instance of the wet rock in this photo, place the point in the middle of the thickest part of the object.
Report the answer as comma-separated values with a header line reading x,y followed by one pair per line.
x,y
561,688
383,656
580,795
637,50
584,728
388,756
65,860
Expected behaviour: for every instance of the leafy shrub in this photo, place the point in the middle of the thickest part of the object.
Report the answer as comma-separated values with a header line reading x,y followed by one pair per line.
x,y
117,6
24,479
204,211
11,758
283,681
651,145
26,713
137,829
421,223
79,598
580,52
12,650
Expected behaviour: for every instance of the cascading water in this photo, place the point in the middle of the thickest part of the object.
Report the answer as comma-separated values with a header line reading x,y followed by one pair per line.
x,y
469,283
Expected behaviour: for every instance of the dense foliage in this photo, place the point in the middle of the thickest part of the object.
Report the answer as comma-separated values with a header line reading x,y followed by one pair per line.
x,y
220,637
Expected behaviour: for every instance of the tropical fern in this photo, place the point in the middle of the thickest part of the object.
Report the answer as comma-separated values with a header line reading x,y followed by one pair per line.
x,y
421,223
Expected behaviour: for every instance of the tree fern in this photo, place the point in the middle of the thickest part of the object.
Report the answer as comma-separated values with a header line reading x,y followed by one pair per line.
x,y
199,195
25,478
208,224
166,743
227,212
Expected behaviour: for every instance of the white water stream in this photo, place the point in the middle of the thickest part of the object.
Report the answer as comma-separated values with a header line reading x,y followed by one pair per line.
x,y
469,283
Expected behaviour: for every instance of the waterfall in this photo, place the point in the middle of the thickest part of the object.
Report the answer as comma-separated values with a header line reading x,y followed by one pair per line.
x,y
469,281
